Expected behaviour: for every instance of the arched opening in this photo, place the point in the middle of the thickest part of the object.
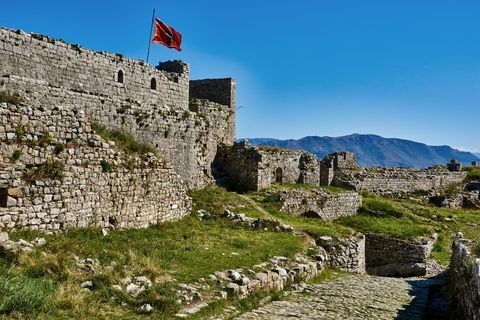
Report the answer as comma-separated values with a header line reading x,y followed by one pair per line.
x,y
279,175
311,214
153,84
120,76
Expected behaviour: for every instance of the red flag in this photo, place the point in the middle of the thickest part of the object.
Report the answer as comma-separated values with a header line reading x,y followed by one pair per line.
x,y
166,35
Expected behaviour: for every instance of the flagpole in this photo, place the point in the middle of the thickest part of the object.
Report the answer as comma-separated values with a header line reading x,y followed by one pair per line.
x,y
150,37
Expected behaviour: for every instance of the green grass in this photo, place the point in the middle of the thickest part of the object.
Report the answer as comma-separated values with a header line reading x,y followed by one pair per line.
x,y
171,253
473,174
401,228
124,140
45,283
20,295
51,169
9,97
268,200
16,155
388,217
302,186
476,250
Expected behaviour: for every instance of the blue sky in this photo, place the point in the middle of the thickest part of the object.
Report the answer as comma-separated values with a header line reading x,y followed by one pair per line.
x,y
407,69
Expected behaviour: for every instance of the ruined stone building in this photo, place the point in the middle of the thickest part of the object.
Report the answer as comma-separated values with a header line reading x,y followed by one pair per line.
x,y
66,88
247,167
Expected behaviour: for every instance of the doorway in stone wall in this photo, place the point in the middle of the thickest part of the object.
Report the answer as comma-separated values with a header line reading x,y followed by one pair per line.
x,y
278,175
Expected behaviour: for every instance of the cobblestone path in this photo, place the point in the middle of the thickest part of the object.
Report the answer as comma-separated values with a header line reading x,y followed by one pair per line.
x,y
353,297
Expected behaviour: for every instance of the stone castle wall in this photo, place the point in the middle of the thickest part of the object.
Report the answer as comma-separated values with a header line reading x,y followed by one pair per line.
x,y
396,180
51,176
155,104
321,204
465,279
388,256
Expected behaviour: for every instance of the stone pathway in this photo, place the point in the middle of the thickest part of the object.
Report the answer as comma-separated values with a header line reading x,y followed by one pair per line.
x,y
353,297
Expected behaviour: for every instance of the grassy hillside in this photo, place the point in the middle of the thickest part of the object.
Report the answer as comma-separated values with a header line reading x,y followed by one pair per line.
x,y
45,284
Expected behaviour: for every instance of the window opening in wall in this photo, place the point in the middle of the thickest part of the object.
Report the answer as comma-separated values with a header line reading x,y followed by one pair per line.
x,y
120,76
3,198
279,175
153,84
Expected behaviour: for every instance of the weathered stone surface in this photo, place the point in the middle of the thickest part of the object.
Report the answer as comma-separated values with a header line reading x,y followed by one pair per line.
x,y
346,254
393,181
465,278
136,193
247,167
3,237
153,103
353,298
465,200
388,256
473,186
320,204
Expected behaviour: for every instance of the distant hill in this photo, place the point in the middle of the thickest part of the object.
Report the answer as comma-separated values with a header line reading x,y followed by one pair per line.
x,y
373,150
477,155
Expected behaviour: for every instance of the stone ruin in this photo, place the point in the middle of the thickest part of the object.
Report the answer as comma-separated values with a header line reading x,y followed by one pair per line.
x,y
247,167
65,88
454,166
320,204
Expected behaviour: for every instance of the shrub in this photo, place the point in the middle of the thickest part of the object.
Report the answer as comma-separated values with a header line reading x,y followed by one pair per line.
x,y
106,166
473,174
16,155
59,148
20,131
51,169
124,140
8,97
45,139
123,109
476,250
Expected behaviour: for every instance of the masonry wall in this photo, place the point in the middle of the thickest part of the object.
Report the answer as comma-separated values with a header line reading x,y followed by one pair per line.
x,y
464,279
237,166
50,73
395,180
388,256
347,254
221,91
247,167
137,191
320,203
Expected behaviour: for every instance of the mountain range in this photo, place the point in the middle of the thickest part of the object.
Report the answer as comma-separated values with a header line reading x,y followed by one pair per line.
x,y
373,150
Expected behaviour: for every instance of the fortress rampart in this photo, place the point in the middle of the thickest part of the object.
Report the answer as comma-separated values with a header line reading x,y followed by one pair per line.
x,y
184,119
52,177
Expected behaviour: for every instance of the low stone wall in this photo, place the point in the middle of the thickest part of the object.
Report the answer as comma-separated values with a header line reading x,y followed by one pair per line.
x,y
346,254
396,180
321,204
56,173
464,279
461,200
277,274
387,256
